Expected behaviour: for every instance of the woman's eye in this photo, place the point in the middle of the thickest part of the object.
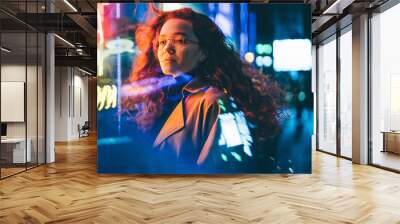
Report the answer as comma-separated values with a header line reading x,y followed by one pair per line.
x,y
162,42
181,41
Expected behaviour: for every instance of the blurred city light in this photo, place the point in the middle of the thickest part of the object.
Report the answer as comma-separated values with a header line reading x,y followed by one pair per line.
x,y
263,48
259,49
230,131
106,97
235,131
294,75
292,55
118,46
225,8
249,57
224,24
301,96
171,6
267,61
259,61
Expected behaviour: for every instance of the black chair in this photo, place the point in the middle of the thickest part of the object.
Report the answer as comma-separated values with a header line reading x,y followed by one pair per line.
x,y
84,130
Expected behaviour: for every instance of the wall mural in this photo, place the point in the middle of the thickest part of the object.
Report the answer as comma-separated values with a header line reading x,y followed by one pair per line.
x,y
190,88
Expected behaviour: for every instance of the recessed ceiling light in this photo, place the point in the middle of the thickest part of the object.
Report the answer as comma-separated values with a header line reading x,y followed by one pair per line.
x,y
5,49
84,71
70,5
64,40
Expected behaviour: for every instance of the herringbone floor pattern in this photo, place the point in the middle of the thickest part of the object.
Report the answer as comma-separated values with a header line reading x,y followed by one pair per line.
x,y
70,191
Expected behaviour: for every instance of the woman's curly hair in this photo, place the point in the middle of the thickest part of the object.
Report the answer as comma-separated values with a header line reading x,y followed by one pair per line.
x,y
254,93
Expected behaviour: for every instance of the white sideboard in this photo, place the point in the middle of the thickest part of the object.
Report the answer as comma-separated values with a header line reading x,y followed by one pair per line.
x,y
18,146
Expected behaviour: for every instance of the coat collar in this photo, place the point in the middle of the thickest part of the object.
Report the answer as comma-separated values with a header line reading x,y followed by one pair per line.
x,y
174,123
176,120
195,86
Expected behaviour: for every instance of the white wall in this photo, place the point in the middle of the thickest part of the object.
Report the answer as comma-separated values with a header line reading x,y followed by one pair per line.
x,y
80,110
71,102
61,103
314,91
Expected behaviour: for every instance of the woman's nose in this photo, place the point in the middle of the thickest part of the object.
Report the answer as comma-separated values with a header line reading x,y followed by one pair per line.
x,y
170,48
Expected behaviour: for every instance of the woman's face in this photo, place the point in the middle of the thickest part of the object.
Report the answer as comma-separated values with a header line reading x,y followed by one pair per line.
x,y
178,48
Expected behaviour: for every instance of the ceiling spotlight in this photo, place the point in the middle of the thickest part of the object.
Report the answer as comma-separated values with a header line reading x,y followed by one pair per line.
x,y
5,49
84,71
65,41
337,7
70,5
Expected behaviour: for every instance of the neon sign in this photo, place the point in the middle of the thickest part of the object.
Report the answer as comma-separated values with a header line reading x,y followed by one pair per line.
x,y
106,97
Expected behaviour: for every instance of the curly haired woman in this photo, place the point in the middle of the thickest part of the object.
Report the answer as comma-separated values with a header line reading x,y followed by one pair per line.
x,y
206,71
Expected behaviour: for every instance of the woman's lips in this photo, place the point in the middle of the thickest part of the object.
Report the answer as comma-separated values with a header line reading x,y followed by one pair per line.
x,y
169,60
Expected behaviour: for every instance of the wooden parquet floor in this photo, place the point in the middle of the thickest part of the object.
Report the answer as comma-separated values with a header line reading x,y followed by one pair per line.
x,y
70,191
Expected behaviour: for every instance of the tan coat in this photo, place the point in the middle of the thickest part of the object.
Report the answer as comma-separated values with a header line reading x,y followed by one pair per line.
x,y
191,130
